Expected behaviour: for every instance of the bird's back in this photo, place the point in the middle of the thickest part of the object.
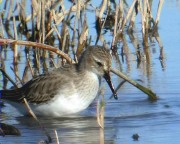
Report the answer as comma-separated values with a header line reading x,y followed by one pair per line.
x,y
42,88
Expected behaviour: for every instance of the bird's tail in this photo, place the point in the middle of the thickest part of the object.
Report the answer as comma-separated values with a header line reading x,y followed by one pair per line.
x,y
11,95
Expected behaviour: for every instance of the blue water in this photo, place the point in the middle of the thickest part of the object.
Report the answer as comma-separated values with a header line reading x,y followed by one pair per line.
x,y
155,122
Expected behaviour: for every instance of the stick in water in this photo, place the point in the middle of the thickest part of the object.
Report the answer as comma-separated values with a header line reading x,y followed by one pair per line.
x,y
35,117
152,96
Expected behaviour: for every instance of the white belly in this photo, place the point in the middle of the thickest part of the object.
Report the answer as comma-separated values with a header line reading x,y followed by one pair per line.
x,y
64,104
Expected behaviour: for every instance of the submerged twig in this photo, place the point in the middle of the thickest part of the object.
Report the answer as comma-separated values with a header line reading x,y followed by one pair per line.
x,y
57,139
152,96
100,118
35,117
99,121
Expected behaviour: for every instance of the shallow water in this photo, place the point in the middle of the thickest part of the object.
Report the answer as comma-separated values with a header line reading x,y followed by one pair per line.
x,y
155,122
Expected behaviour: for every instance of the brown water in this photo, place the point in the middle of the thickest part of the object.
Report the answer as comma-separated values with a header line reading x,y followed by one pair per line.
x,y
154,122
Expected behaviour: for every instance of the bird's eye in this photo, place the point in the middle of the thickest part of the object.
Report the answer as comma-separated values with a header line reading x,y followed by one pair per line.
x,y
99,64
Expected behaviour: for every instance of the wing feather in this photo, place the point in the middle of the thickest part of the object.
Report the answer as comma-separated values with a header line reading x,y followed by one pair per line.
x,y
42,88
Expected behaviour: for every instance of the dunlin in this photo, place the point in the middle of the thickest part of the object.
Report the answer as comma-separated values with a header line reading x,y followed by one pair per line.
x,y
66,90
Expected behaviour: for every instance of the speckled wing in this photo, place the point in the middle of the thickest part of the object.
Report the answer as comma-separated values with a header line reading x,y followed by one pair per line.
x,y
42,88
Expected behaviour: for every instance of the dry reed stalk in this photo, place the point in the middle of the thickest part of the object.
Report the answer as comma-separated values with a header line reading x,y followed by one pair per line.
x,y
146,27
48,22
17,76
115,26
58,34
61,4
142,17
29,64
64,36
79,18
37,120
37,57
132,21
16,38
102,8
83,38
28,18
43,19
146,15
61,16
38,45
128,15
8,77
15,30
39,16
147,64
147,51
149,5
100,25
10,9
22,12
49,33
74,37
1,27
158,12
16,71
78,9
34,5
8,30
121,15
74,31
57,139
144,10
42,27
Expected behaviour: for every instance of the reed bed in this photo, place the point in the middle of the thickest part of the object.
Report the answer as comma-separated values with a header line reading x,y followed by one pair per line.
x,y
50,30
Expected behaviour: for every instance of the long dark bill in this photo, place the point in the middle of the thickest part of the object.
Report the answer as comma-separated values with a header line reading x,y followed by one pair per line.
x,y
108,79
